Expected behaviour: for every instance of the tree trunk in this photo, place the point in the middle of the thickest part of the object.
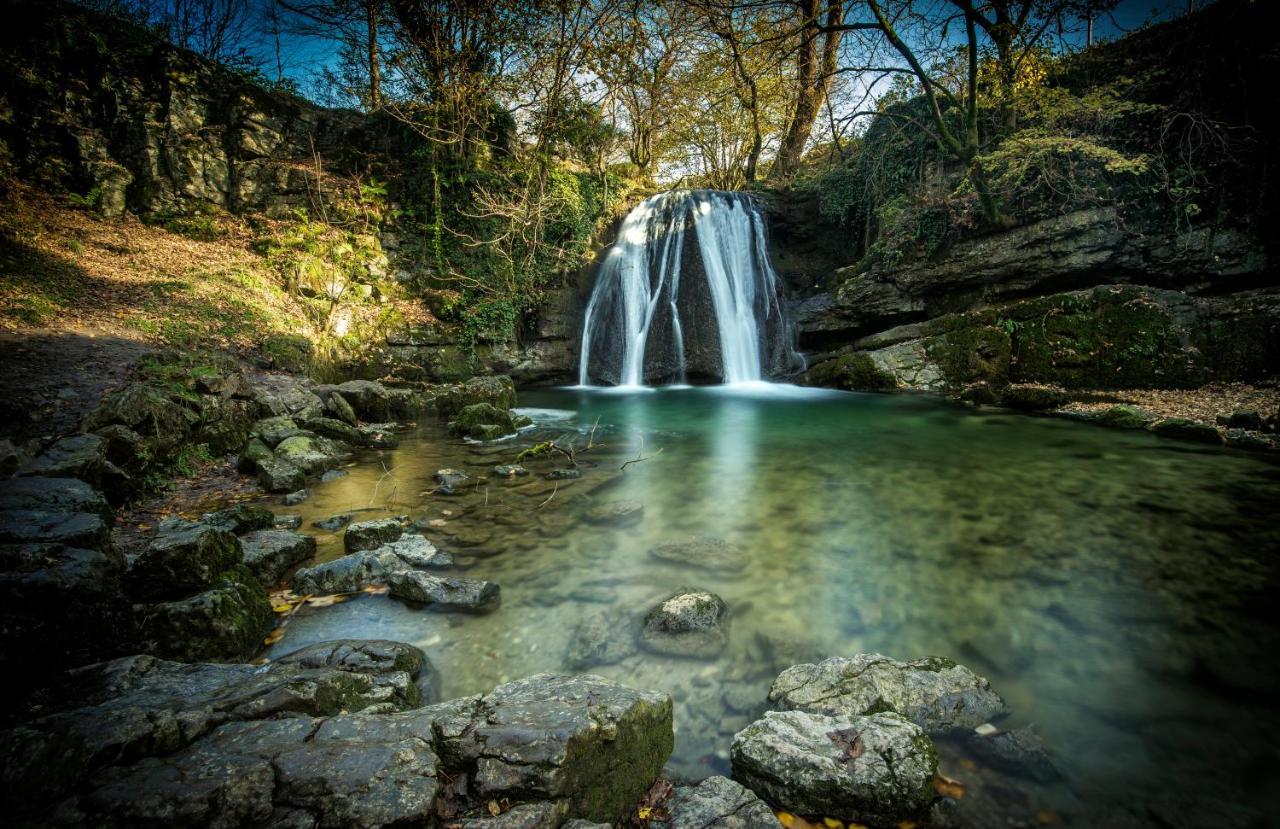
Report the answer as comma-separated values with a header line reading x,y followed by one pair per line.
x,y
812,79
375,61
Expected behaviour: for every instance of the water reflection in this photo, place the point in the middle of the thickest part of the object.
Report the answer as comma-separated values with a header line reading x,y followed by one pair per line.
x,y
1116,588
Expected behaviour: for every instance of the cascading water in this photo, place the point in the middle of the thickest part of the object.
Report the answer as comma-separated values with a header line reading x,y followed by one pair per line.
x,y
652,319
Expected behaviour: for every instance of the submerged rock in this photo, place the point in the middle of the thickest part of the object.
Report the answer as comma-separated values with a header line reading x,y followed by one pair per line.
x,y
334,522
934,693
600,638
876,769
444,592
616,513
295,498
450,481
1020,752
688,623
703,553
716,803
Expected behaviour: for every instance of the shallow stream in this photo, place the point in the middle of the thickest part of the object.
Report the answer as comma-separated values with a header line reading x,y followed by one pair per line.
x,y
1117,589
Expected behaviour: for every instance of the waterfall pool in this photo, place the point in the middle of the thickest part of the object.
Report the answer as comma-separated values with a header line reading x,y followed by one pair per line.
x,y
1112,585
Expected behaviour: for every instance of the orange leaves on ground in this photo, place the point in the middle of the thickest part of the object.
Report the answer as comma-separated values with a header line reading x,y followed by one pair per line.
x,y
947,786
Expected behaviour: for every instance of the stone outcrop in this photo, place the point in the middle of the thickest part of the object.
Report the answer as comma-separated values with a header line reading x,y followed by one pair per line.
x,y
716,803
142,741
691,623
1105,337
1076,250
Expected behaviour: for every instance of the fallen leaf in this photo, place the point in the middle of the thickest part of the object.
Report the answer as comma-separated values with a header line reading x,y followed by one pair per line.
x,y
850,741
377,589
832,823
1045,817
274,636
494,808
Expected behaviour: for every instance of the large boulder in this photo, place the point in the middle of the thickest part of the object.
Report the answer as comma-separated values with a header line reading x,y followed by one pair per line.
x,y
688,623
369,400
224,623
484,421
312,454
181,559
934,693
157,421
284,395
716,803
279,475
497,391
551,737
874,770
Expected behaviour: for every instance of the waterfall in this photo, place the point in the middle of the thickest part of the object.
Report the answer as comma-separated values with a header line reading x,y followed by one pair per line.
x,y
651,317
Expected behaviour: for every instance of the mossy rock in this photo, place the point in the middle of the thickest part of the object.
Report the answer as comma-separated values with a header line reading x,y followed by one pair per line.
x,y
485,421
1124,417
1034,398
1181,428
851,372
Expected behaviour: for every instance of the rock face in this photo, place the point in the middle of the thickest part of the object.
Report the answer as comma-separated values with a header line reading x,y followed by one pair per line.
x,y
150,127
874,770
688,623
716,803
226,622
1086,247
934,693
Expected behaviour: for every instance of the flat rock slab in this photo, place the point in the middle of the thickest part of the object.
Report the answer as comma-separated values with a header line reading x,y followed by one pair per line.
x,y
872,770
270,553
445,592
716,803
934,693
703,553
358,570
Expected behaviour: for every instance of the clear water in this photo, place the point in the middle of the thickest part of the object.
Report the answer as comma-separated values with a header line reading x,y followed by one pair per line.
x,y
1115,587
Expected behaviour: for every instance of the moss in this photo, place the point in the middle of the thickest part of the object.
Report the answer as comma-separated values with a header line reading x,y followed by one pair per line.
x,y
1033,398
978,353
1124,417
851,372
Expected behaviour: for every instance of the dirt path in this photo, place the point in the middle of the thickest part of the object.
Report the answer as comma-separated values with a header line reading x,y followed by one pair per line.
x,y
50,379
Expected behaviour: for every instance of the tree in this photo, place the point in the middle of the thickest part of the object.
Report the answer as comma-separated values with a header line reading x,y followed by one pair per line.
x,y
356,24
815,60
